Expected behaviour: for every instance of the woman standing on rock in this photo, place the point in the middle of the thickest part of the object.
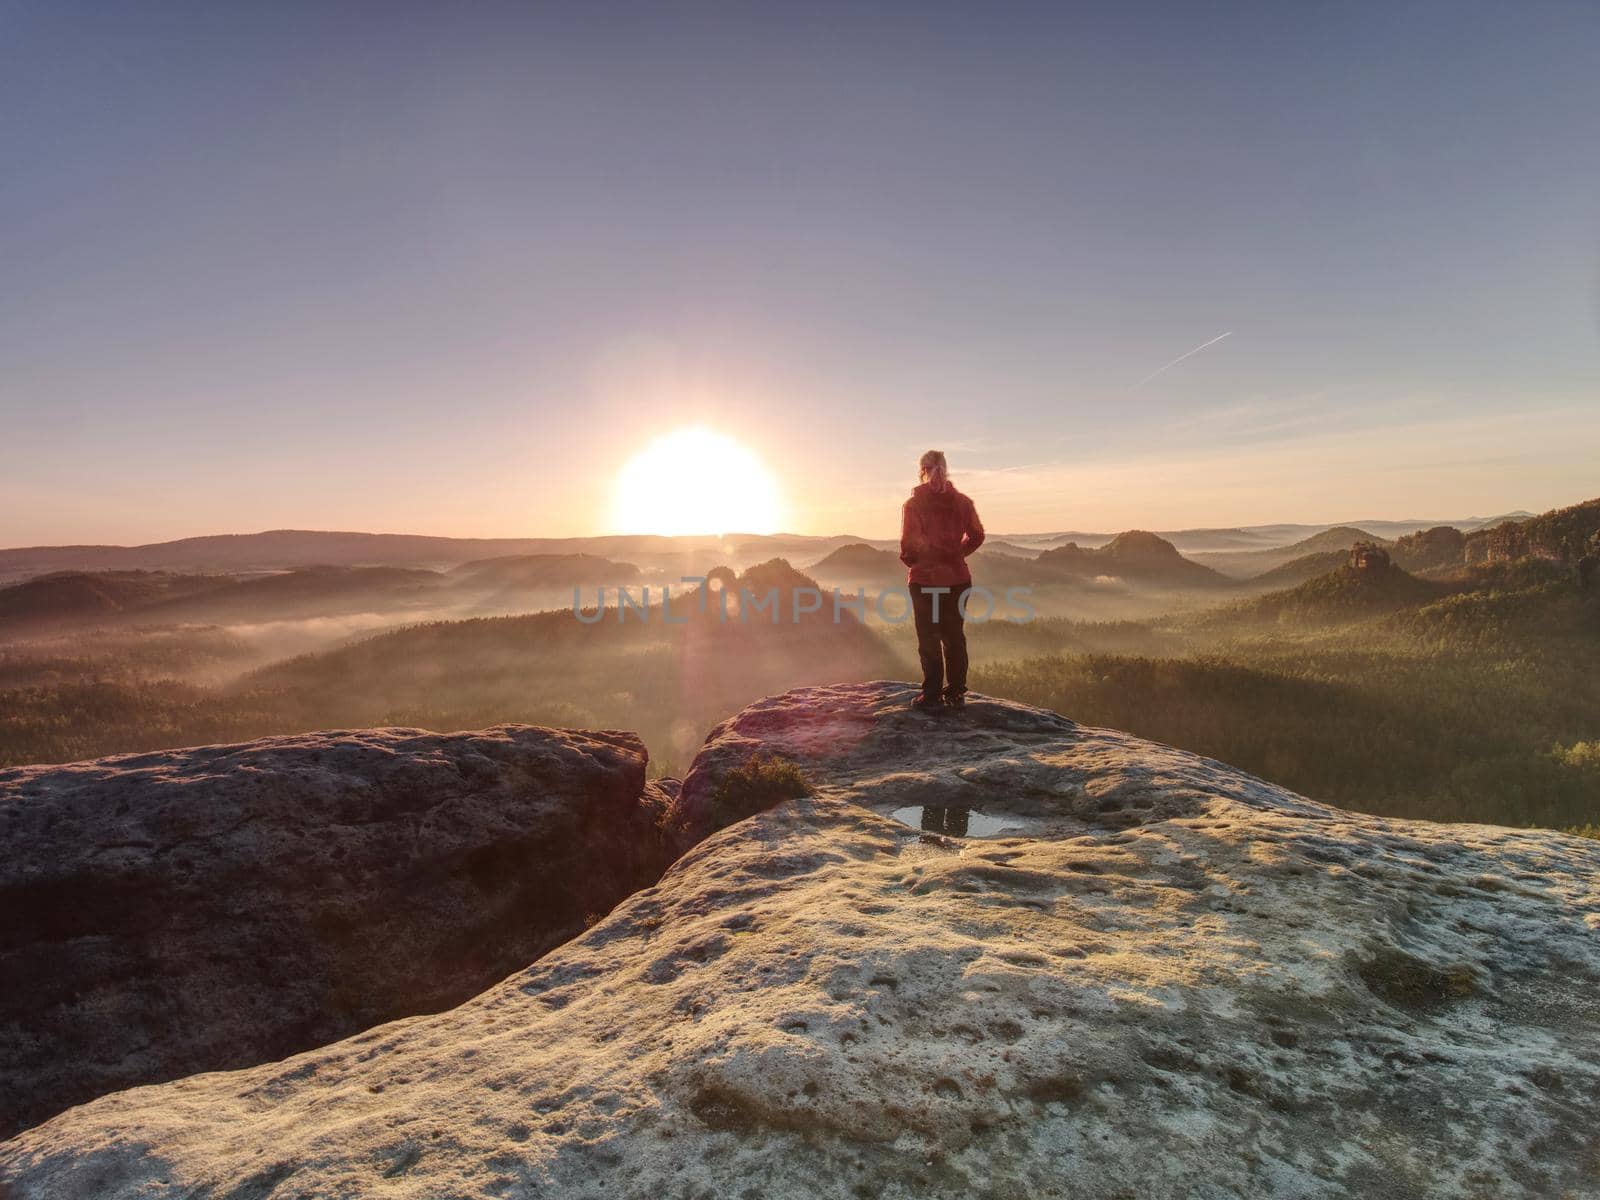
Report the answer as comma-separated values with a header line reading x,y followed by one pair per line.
x,y
939,528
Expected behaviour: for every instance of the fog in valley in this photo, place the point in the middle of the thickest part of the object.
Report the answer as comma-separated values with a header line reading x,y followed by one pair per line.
x,y
1375,680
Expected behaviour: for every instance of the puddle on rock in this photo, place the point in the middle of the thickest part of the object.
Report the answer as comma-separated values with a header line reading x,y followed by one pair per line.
x,y
955,822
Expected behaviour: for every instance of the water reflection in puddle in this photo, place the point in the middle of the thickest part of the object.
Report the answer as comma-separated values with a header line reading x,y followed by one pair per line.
x,y
954,822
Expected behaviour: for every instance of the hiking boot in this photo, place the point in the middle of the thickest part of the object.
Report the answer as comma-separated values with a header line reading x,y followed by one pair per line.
x,y
956,700
928,703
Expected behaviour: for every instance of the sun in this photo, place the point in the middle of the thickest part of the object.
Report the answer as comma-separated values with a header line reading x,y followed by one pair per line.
x,y
696,481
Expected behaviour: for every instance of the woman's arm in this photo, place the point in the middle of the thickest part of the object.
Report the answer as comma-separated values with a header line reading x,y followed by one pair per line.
x,y
973,538
910,535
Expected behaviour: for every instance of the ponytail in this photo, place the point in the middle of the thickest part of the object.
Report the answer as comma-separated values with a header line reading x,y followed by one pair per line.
x,y
935,471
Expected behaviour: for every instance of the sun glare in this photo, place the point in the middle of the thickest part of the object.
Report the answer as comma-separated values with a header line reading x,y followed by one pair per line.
x,y
696,481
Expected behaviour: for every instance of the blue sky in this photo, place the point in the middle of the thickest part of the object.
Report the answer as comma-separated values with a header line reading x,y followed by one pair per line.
x,y
443,268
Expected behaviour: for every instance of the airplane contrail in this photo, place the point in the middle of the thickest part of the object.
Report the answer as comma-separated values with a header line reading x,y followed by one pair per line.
x,y
1181,357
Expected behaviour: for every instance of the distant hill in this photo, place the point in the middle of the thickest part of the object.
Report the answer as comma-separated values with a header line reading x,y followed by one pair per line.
x,y
307,592
287,549
774,574
1437,551
993,568
1001,546
1136,556
1046,541
998,569
1562,533
1298,570
71,597
1202,543
1474,523
283,549
274,550
1248,564
1442,547
1343,594
531,571
67,599
790,546
860,563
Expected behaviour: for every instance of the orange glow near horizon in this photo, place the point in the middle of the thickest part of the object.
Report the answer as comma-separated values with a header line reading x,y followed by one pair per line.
x,y
696,481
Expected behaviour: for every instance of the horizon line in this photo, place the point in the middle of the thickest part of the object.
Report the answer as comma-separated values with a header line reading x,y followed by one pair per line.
x,y
580,537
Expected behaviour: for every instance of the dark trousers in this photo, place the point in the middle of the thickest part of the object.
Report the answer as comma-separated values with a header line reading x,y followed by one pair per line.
x,y
941,641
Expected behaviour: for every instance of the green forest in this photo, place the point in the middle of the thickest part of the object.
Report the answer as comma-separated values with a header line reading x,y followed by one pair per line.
x,y
1480,706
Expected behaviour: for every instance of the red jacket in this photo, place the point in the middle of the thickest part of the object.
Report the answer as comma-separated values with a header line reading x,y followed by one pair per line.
x,y
937,532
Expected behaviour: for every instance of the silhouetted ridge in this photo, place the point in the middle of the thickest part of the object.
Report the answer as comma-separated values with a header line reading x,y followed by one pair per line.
x,y
1135,555
859,558
1345,593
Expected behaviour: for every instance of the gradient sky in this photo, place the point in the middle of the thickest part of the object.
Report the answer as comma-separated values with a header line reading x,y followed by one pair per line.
x,y
441,268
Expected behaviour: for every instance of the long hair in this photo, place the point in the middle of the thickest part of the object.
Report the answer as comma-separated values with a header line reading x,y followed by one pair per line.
x,y
935,471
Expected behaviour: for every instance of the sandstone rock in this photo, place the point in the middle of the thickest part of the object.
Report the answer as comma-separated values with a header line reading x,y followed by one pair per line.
x,y
1034,769
1171,980
190,910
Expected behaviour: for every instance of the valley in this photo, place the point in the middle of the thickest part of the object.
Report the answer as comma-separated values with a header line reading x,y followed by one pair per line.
x,y
1457,678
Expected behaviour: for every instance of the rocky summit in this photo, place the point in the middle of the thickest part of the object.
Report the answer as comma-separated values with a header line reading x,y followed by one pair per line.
x,y
990,954
190,910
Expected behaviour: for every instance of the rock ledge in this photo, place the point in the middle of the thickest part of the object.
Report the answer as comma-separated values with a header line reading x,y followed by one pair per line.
x,y
190,910
1179,982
